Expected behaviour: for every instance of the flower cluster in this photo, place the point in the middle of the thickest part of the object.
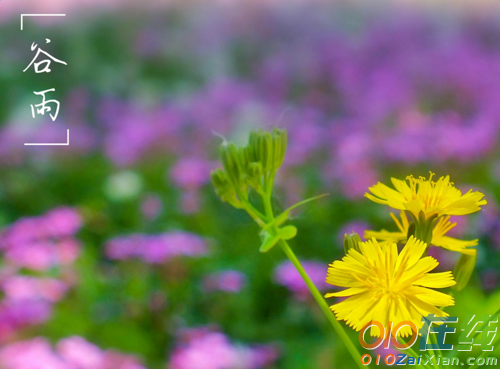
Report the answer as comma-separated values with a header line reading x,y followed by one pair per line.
x,y
385,285
69,353
41,243
430,205
201,348
37,255
158,248
254,165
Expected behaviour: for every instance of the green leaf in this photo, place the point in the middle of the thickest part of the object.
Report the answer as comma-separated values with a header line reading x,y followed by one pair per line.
x,y
268,242
288,232
280,219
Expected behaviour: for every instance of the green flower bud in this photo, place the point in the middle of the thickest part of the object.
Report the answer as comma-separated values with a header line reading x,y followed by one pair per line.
x,y
219,179
249,152
253,175
255,170
252,141
463,270
230,158
279,146
351,241
262,143
223,188
244,159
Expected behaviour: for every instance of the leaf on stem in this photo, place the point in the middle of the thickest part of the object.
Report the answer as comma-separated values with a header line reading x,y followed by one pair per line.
x,y
280,219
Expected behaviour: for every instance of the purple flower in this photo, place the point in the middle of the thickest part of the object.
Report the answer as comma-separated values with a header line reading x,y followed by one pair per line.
x,y
191,173
228,281
156,248
20,288
212,350
204,349
70,353
286,275
77,352
40,243
30,355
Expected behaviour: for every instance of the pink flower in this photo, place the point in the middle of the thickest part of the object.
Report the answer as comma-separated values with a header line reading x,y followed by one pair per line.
x,y
287,275
204,349
42,242
191,172
25,288
33,354
80,353
228,281
70,353
156,248
62,222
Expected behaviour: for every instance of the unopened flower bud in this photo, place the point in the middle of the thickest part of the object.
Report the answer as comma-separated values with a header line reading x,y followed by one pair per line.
x,y
249,153
219,179
255,170
264,150
223,188
463,270
243,158
279,146
351,241
230,158
252,141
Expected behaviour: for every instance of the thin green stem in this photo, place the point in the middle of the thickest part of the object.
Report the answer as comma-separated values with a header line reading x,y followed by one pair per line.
x,y
433,340
254,213
415,355
322,304
266,200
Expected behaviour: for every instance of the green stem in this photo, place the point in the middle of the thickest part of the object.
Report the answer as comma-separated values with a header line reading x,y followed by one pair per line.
x,y
266,200
433,340
415,355
322,304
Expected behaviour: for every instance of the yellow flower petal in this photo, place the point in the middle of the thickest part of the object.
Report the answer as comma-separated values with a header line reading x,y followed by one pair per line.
x,y
439,197
384,285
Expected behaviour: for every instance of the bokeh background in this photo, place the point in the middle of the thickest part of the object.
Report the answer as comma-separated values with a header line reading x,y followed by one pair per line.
x,y
115,251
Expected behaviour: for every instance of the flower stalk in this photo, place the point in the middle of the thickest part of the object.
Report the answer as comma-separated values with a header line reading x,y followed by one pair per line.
x,y
254,167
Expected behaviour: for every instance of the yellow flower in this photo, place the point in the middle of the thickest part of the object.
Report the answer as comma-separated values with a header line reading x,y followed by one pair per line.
x,y
438,235
431,198
385,286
